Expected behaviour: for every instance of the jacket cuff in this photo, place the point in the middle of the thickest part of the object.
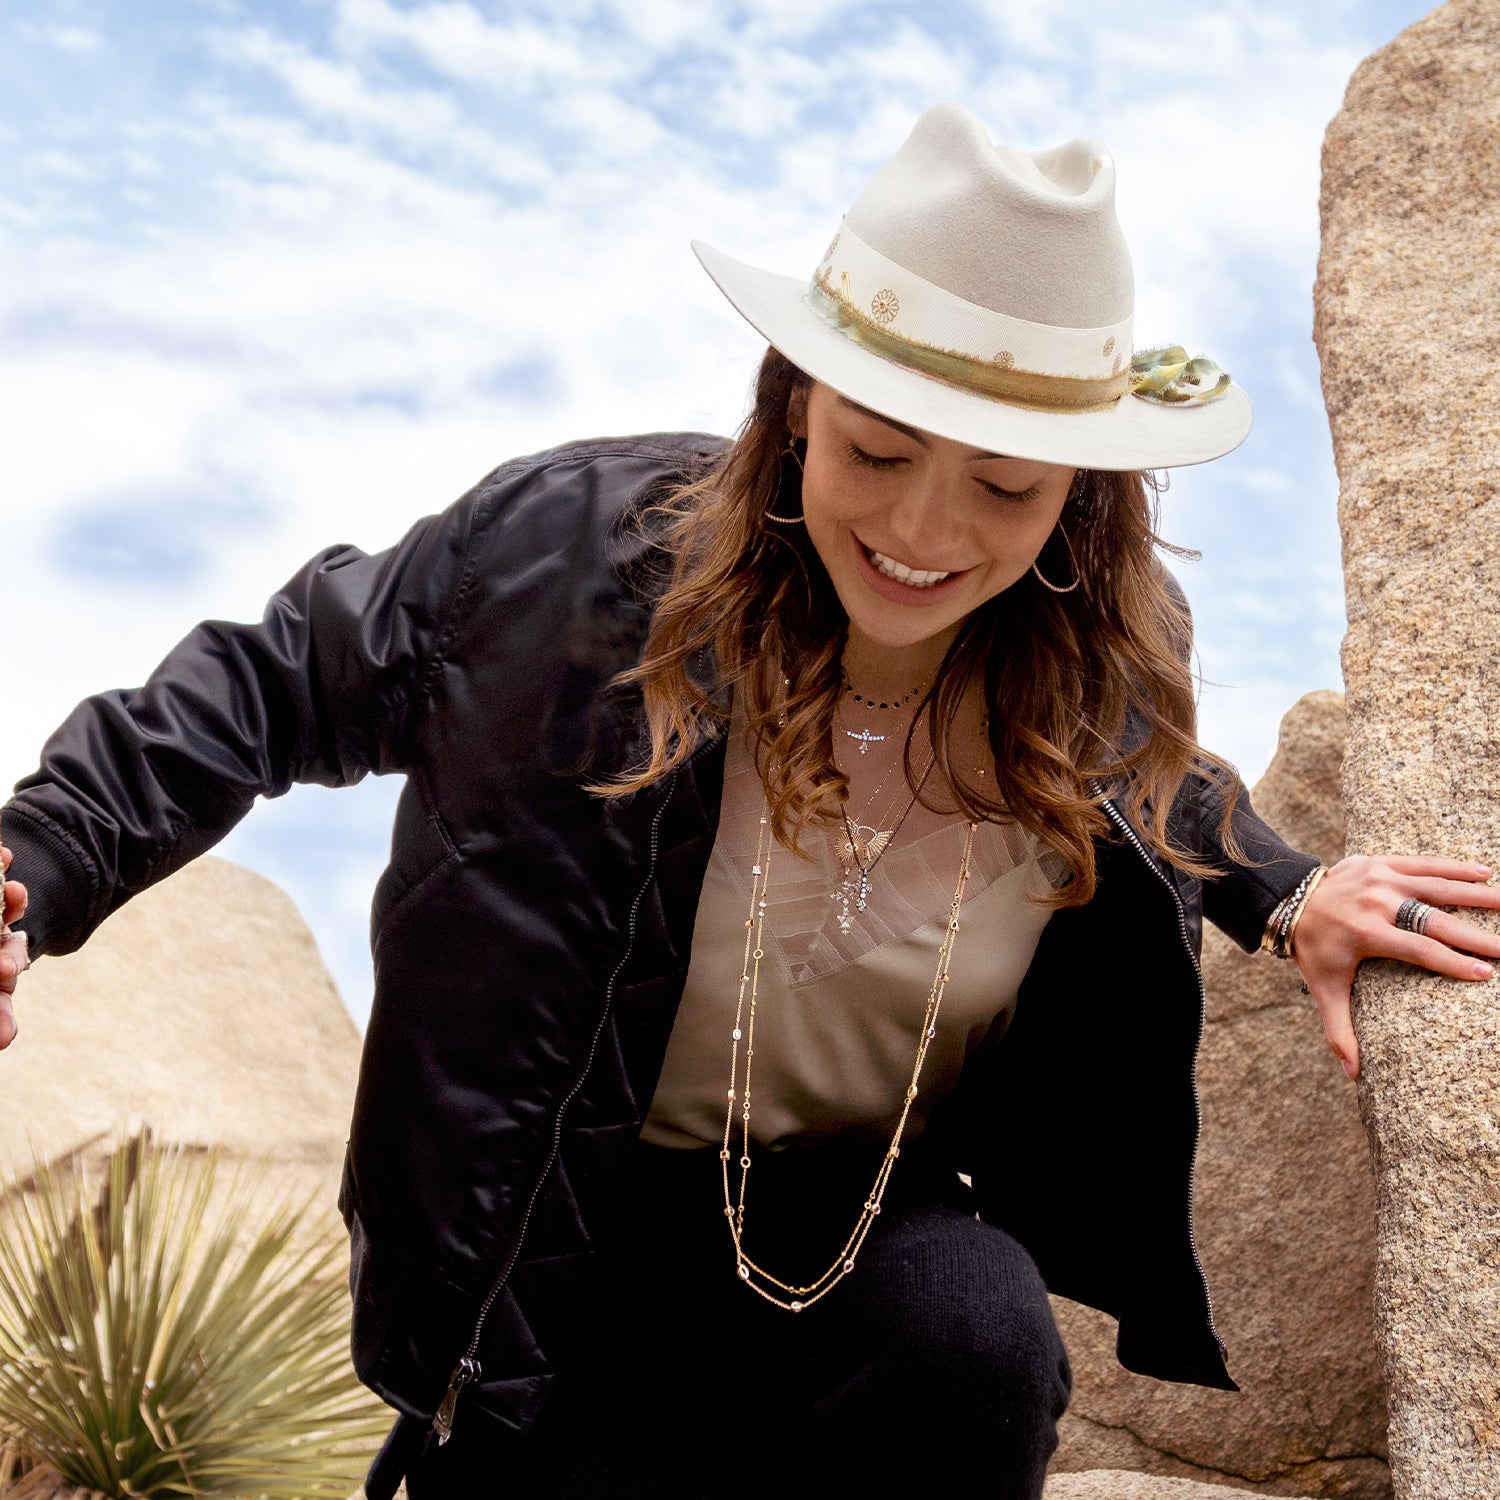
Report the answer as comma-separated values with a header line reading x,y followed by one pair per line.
x,y
1260,890
61,889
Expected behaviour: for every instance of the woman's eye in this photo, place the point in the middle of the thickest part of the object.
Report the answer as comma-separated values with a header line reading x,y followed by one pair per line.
x,y
1014,497
872,460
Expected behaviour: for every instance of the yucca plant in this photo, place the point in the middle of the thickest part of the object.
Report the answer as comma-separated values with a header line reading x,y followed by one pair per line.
x,y
168,1335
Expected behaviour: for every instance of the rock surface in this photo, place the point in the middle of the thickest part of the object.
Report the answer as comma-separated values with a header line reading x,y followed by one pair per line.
x,y
202,1009
1407,328
1285,1220
1097,1484
1119,1484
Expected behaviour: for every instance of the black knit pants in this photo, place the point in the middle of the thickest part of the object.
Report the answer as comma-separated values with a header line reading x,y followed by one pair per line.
x,y
935,1368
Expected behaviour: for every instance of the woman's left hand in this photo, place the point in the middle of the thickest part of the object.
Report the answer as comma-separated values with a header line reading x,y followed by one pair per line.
x,y
1351,916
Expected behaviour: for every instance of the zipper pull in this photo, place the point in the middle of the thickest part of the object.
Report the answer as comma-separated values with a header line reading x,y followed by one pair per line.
x,y
464,1371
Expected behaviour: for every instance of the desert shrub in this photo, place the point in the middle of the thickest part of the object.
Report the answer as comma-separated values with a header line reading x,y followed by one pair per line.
x,y
167,1331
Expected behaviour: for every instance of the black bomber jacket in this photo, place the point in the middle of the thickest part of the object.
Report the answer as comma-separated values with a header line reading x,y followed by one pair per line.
x,y
531,940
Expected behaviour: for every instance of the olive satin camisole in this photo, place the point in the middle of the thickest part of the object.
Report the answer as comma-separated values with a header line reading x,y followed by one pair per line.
x,y
842,993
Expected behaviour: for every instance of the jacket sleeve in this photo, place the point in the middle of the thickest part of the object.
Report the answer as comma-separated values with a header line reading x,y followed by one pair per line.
x,y
1240,900
137,782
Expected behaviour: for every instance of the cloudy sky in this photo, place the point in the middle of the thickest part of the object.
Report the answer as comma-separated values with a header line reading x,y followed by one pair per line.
x,y
279,273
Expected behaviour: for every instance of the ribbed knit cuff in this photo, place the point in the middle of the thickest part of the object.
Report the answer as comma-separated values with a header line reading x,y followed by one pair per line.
x,y
61,890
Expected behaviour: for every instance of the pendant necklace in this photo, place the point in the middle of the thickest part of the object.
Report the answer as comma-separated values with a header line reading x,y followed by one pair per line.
x,y
863,843
861,849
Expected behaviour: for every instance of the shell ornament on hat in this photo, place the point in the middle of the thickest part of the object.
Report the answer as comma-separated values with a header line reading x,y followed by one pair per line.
x,y
984,293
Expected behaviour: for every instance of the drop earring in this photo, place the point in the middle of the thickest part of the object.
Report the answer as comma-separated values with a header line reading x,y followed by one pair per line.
x,y
1074,493
1058,588
791,475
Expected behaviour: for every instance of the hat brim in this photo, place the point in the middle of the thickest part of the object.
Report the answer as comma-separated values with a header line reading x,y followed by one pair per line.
x,y
1132,434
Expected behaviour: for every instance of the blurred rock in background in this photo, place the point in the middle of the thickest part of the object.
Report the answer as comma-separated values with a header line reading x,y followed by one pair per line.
x,y
200,1010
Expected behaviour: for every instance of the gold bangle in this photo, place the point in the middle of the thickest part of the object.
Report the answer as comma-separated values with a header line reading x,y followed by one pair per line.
x,y
1291,932
1277,936
1270,941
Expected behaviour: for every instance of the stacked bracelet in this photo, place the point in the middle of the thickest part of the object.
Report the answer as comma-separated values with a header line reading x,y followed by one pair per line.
x,y
1282,926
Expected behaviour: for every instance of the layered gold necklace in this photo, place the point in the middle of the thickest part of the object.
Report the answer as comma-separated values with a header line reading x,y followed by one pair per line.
x,y
783,1294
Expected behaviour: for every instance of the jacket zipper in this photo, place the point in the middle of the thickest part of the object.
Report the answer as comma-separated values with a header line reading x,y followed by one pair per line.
x,y
1118,818
468,1368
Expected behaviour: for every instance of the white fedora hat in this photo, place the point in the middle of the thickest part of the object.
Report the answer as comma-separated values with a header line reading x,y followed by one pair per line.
x,y
984,293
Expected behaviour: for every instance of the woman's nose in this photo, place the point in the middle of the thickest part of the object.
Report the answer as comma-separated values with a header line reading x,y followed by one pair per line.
x,y
924,518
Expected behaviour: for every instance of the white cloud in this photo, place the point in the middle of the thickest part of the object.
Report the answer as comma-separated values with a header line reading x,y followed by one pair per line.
x,y
457,40
76,39
340,90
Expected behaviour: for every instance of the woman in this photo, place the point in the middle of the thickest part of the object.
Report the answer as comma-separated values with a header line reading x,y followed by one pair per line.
x,y
790,828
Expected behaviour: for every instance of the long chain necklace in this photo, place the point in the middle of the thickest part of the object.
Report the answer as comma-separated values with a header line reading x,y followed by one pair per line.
x,y
785,1294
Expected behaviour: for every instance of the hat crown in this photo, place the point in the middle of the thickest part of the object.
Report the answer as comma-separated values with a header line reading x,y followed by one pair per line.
x,y
1031,235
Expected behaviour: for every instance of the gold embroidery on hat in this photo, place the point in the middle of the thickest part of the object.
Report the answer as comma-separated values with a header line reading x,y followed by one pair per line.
x,y
987,378
833,245
1109,344
1119,360
884,305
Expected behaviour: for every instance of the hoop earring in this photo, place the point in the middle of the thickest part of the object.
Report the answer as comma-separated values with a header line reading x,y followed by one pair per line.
x,y
1077,574
787,479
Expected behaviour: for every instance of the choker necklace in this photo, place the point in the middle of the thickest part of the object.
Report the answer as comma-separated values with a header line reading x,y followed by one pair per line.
x,y
868,737
781,1293
900,702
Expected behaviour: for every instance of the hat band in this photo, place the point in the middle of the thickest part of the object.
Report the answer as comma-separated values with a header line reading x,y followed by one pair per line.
x,y
1016,387
902,317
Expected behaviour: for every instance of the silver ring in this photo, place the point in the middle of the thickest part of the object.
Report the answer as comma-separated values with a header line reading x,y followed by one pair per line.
x,y
1413,916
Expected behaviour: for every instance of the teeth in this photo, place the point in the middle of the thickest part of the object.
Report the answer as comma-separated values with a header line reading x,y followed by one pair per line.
x,y
915,577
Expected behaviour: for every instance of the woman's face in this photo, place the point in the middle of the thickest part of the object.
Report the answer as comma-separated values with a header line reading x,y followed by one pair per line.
x,y
916,530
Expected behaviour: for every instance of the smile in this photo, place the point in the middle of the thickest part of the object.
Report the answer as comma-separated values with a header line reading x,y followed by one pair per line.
x,y
913,577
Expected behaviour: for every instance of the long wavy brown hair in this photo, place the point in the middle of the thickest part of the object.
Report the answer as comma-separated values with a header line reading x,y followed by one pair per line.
x,y
1090,693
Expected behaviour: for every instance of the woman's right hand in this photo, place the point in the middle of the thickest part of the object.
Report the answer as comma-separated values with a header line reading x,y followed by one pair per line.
x,y
13,958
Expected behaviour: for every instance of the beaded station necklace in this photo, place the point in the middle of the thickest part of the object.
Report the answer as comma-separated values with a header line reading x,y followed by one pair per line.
x,y
783,1294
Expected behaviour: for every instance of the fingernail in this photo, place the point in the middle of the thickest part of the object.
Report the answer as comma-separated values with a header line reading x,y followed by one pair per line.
x,y
1483,971
1348,1066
